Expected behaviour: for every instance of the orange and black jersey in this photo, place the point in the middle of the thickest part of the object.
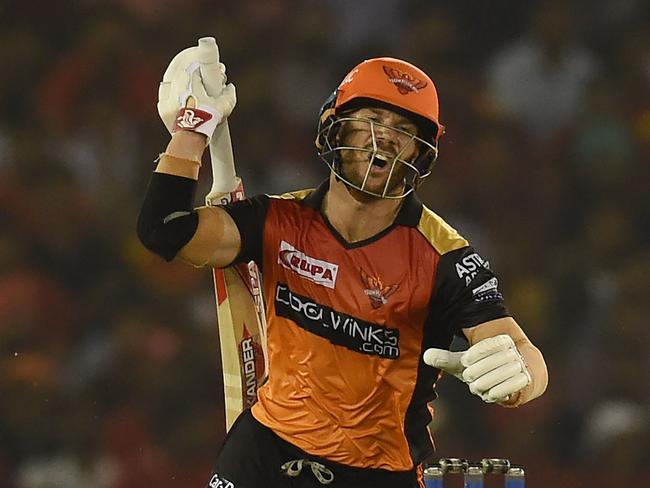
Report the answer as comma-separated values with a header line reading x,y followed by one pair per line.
x,y
348,324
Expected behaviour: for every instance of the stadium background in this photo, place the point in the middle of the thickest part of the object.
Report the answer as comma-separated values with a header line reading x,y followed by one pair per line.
x,y
109,368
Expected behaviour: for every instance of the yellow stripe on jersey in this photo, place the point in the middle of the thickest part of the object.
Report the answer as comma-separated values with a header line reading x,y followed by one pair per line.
x,y
297,195
442,236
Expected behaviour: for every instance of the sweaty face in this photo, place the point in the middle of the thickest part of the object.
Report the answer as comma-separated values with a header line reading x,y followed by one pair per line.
x,y
375,145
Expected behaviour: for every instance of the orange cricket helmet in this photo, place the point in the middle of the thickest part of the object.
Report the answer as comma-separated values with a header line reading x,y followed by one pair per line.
x,y
390,83
394,82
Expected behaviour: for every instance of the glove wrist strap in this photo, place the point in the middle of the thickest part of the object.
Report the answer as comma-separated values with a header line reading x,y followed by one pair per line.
x,y
198,119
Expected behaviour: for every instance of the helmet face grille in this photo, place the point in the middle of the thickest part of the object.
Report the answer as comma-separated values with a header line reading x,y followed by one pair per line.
x,y
399,167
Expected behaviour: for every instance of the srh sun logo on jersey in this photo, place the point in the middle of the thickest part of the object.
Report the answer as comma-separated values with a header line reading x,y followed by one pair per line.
x,y
404,82
375,289
189,119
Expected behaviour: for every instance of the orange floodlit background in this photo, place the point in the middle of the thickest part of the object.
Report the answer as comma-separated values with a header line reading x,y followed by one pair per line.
x,y
109,365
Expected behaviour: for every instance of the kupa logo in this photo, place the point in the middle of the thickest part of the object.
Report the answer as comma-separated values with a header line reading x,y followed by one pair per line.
x,y
320,272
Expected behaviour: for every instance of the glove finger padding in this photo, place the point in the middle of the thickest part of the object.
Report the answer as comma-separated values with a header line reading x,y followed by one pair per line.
x,y
489,363
493,368
447,361
495,377
502,391
226,101
214,78
486,347
498,375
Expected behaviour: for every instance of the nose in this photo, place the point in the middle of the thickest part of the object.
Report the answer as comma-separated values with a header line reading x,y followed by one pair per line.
x,y
385,143
385,139
382,133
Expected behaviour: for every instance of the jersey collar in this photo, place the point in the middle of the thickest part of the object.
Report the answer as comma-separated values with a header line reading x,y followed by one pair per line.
x,y
408,215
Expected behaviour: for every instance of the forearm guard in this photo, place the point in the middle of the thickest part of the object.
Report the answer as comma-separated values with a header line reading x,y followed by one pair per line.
x,y
167,219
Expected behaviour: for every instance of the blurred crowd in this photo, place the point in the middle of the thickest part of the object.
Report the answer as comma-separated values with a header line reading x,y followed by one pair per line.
x,y
109,361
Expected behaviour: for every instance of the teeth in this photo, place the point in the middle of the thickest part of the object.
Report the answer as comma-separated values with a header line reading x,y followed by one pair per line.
x,y
380,160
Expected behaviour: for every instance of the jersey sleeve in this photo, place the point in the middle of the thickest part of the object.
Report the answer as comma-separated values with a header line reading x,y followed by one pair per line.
x,y
249,216
466,291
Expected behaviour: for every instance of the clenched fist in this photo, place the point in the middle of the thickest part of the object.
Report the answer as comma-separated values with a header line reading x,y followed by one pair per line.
x,y
193,94
493,368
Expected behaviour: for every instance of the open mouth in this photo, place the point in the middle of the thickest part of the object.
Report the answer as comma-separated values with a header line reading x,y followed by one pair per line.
x,y
379,161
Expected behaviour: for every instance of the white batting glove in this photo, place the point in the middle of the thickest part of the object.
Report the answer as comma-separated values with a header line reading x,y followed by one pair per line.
x,y
493,368
193,95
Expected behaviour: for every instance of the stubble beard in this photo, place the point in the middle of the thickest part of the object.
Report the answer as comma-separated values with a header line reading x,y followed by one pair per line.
x,y
349,173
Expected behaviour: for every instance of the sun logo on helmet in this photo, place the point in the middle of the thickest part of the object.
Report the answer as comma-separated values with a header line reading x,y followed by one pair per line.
x,y
404,82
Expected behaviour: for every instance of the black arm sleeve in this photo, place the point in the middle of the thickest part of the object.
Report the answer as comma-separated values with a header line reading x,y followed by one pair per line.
x,y
467,291
167,218
249,216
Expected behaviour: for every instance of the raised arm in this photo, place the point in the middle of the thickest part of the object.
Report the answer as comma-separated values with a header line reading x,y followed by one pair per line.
x,y
170,226
193,101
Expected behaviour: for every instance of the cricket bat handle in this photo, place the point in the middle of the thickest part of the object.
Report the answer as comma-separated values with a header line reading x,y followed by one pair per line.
x,y
226,185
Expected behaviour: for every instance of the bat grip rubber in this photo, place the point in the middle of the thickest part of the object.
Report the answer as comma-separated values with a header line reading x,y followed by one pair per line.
x,y
224,178
208,50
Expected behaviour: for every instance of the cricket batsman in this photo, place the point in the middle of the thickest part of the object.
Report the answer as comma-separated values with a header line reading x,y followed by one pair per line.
x,y
364,286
